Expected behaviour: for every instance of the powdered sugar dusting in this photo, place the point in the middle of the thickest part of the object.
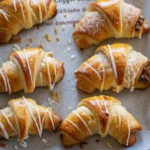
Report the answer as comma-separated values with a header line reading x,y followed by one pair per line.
x,y
92,23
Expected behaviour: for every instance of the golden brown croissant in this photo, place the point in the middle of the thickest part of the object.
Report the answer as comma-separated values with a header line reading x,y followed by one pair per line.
x,y
114,67
109,18
16,15
101,115
30,68
24,116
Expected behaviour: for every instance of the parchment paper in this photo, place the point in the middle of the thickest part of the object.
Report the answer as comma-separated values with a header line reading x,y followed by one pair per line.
x,y
138,102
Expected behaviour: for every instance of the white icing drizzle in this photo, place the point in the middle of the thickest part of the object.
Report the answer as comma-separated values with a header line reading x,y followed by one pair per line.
x,y
133,34
51,118
120,50
113,62
98,103
4,131
106,109
103,79
49,75
10,124
40,11
39,118
41,79
4,14
45,7
5,81
30,111
30,72
50,115
129,132
75,126
22,11
140,34
118,89
93,69
118,114
83,122
54,65
14,2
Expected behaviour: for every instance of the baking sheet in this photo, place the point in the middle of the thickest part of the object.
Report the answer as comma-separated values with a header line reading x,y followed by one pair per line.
x,y
137,102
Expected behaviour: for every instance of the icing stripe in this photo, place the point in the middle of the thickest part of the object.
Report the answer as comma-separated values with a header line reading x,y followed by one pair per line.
x,y
7,79
83,122
129,132
113,62
50,115
93,70
75,126
107,111
45,7
14,2
54,65
4,131
28,106
10,124
41,79
4,79
4,14
22,11
118,114
39,118
30,72
49,75
40,11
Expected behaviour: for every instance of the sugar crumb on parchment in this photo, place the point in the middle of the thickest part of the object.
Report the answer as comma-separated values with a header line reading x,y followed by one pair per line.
x,y
48,37
16,147
23,144
44,140
63,27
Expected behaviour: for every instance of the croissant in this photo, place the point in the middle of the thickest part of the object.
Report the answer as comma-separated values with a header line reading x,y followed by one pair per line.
x,y
109,18
114,67
24,116
30,68
101,115
16,15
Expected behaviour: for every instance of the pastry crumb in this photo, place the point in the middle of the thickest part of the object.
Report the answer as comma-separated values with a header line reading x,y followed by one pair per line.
x,y
69,107
48,37
57,39
68,49
55,30
30,40
27,45
41,46
20,40
109,144
65,16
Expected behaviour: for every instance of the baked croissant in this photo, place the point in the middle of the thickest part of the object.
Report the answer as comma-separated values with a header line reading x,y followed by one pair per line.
x,y
114,67
109,18
101,115
30,68
24,116
16,15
